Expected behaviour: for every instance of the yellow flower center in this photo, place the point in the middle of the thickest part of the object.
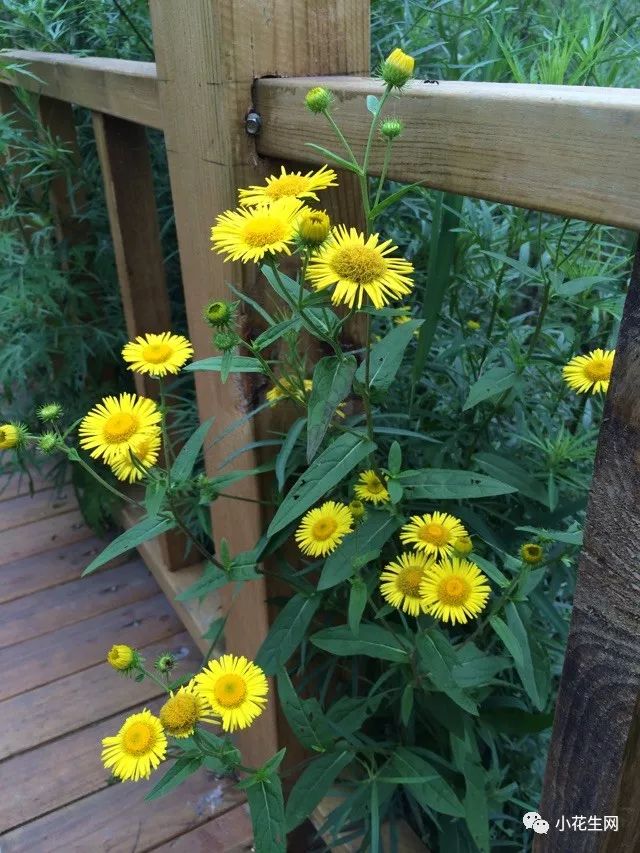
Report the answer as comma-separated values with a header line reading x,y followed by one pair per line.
x,y
453,590
287,185
179,712
597,369
360,264
119,427
532,553
374,486
157,353
138,738
263,230
230,690
433,533
324,528
408,581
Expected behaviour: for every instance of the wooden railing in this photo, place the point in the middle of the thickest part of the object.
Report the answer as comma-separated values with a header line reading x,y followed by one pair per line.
x,y
568,150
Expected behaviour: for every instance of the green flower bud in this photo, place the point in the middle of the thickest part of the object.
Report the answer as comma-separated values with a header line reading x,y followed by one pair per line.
x,y
49,412
218,314
318,99
391,127
165,662
225,340
48,442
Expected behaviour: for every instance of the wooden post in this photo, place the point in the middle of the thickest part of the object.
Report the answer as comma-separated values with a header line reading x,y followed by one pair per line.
x,y
594,757
208,54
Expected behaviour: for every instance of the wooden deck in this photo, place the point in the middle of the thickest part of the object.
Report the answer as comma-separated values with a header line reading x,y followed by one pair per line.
x,y
58,697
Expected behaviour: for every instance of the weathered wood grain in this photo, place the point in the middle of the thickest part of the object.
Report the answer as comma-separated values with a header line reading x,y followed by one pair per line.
x,y
566,149
228,833
44,504
594,752
43,535
118,87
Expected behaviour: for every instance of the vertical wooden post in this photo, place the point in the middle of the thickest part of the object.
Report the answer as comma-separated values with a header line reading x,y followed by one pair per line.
x,y
594,757
208,53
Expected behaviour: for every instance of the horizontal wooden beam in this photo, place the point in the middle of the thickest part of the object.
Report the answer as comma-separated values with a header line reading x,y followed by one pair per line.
x,y
570,150
117,87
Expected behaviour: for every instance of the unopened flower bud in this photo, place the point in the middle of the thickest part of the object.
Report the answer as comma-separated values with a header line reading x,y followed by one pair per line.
x,y
48,442
391,127
218,314
318,99
165,662
357,509
397,68
225,340
123,658
49,412
314,227
12,435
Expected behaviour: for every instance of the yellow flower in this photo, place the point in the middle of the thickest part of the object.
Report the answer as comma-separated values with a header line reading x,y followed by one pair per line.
x,y
472,325
359,266
288,388
455,590
401,580
121,657
531,553
235,688
357,509
314,227
435,533
116,423
248,234
183,710
137,749
370,488
157,354
292,185
590,372
397,68
322,529
145,449
463,546
9,436
403,318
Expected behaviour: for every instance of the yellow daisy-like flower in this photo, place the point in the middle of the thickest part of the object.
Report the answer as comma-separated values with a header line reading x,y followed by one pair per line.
x,y
248,234
9,436
455,590
146,449
463,546
157,354
121,657
183,710
137,749
116,423
401,582
290,386
289,185
435,533
370,488
235,688
590,372
322,529
358,266
531,553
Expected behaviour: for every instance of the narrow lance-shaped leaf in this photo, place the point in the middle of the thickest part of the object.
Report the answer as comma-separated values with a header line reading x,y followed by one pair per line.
x,y
373,641
183,466
146,529
444,484
313,785
387,355
332,379
286,633
303,715
239,364
367,538
495,381
286,450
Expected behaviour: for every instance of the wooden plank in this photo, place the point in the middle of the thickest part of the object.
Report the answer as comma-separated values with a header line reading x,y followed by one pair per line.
x,y
564,149
118,87
44,504
73,761
51,609
18,483
228,833
83,698
208,56
119,820
43,535
42,571
76,647
594,749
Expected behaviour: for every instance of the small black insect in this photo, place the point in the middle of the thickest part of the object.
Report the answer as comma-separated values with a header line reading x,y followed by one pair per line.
x,y
437,82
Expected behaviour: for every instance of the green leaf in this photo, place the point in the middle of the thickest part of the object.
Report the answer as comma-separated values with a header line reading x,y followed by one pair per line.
x,y
508,638
406,704
266,806
387,355
349,713
475,804
520,266
476,668
516,721
446,216
491,571
393,198
287,632
525,669
183,466
144,530
373,641
239,364
357,603
368,537
154,496
509,472
373,104
313,785
445,484
274,333
286,450
336,158
324,473
212,578
394,461
439,670
495,381
332,380
304,716
177,773
567,537
226,365
578,285
432,791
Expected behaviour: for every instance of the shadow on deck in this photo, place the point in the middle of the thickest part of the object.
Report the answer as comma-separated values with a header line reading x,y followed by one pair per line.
x,y
58,697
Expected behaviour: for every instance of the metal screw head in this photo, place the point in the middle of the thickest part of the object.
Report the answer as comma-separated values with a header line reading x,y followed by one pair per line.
x,y
253,123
